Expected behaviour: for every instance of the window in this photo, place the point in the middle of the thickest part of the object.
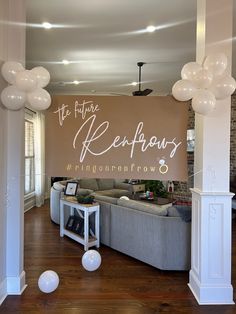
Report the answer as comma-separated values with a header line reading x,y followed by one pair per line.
x,y
29,157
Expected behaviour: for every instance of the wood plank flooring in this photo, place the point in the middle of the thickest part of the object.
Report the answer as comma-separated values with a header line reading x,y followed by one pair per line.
x,y
122,285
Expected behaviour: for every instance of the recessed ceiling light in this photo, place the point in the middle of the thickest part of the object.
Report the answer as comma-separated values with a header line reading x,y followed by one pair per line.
x,y
151,29
134,83
75,82
47,25
65,61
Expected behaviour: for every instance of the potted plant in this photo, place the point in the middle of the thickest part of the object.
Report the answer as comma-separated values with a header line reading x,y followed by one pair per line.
x,y
157,187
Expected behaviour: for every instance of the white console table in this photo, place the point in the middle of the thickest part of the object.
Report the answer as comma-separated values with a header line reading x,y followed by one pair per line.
x,y
84,211
139,187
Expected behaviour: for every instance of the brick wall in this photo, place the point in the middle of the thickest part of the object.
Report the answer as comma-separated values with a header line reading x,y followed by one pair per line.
x,y
183,187
233,138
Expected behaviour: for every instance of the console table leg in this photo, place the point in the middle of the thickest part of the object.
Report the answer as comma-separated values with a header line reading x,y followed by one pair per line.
x,y
97,228
86,230
61,219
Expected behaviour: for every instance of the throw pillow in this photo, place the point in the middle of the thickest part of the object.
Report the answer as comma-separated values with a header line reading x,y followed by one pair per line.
x,y
184,212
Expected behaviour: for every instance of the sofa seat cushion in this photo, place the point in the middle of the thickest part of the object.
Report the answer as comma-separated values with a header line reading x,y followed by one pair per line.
x,y
144,207
105,184
90,184
113,193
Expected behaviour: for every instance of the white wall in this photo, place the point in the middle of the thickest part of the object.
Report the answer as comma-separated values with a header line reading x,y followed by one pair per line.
x,y
3,127
12,48
3,287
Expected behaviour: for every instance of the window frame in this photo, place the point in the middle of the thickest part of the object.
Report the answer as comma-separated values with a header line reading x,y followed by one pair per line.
x,y
29,118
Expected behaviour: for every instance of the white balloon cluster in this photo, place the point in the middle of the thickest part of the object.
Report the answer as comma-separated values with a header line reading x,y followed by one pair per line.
x,y
204,84
27,85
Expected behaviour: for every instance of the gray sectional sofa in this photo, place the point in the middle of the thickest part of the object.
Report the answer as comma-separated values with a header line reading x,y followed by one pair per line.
x,y
157,235
96,187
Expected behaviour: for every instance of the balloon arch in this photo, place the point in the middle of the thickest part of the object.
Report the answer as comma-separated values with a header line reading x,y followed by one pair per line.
x,y
27,86
204,84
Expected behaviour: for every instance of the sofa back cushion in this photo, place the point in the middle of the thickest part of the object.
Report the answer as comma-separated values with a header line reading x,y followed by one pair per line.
x,y
106,199
105,184
84,192
90,184
144,207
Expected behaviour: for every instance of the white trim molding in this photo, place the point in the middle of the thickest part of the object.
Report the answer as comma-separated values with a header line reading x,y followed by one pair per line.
x,y
3,290
209,278
16,285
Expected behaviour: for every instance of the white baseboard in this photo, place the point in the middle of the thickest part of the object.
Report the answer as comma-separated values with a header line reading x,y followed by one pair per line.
x,y
3,290
29,203
16,285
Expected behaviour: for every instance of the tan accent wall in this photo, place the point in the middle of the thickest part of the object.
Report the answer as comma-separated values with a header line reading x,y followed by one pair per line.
x,y
121,137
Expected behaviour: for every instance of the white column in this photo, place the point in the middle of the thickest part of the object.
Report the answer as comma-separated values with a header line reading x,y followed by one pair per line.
x,y
14,41
210,275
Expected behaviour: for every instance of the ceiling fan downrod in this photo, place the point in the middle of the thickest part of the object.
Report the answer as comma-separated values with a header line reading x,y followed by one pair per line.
x,y
139,64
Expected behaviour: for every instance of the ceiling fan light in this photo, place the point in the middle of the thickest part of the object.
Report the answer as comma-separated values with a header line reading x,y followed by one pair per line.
x,y
64,61
134,83
76,82
47,25
151,28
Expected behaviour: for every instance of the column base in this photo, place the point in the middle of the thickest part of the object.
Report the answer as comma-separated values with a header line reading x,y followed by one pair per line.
x,y
210,294
16,285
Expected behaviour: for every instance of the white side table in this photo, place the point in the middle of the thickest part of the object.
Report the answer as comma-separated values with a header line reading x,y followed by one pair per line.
x,y
84,210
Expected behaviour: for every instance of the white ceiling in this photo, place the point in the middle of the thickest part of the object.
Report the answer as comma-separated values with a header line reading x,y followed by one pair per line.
x,y
104,40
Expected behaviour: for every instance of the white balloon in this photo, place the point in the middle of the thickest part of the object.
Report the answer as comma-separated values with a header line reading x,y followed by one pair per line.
x,y
42,75
39,99
10,69
190,70
26,81
12,98
91,260
203,101
222,87
183,90
48,281
124,198
216,63
203,78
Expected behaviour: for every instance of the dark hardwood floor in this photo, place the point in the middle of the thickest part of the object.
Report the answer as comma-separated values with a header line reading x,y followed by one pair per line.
x,y
121,284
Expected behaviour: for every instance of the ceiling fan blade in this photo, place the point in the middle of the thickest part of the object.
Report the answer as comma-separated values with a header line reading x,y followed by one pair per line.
x,y
144,92
147,91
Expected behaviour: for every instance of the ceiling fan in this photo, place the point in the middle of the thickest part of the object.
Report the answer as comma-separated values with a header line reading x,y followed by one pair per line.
x,y
140,92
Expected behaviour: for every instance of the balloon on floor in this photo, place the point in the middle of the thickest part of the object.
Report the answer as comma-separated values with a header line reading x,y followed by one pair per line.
x,y
91,260
48,281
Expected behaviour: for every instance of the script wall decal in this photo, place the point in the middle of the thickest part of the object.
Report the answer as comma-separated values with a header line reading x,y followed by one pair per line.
x,y
116,137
